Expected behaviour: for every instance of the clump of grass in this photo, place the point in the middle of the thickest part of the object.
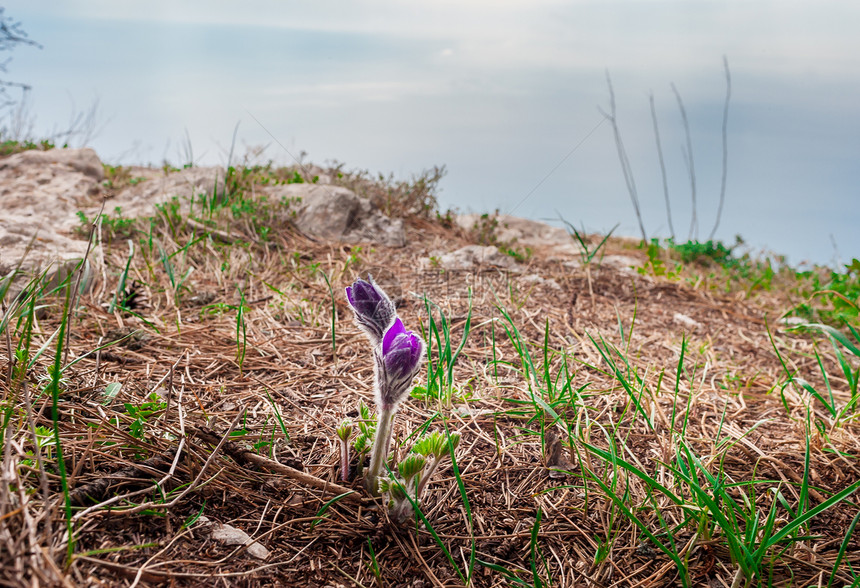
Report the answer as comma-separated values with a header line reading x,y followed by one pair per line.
x,y
485,232
715,265
686,498
16,425
587,252
396,198
707,254
11,147
118,177
442,355
842,405
116,226
831,296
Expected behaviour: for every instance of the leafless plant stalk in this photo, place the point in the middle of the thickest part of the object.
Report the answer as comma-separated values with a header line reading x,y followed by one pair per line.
x,y
81,269
82,128
187,150
622,157
37,449
691,167
725,147
662,165
19,122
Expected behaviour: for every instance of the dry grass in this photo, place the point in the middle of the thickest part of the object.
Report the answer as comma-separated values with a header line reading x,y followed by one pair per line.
x,y
214,444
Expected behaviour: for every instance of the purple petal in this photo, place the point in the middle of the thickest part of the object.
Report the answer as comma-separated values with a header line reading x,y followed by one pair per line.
x,y
373,310
391,334
403,355
417,347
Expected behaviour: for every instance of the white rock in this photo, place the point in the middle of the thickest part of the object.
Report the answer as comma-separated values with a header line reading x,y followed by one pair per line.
x,y
522,229
536,279
792,321
230,535
471,257
40,194
621,262
528,233
685,320
186,184
83,161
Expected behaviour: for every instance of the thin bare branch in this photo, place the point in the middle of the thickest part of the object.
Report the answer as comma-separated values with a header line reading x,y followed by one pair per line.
x,y
691,166
662,165
725,148
626,170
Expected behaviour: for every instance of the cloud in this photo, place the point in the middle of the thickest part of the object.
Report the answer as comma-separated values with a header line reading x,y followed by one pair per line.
x,y
679,37
372,91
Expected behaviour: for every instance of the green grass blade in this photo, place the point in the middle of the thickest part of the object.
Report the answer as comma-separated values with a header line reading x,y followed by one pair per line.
x,y
842,549
333,316
466,505
374,565
437,539
508,575
168,267
321,512
466,329
789,528
651,482
278,415
835,334
678,372
605,353
193,518
682,568
99,348
120,287
534,550
241,331
803,499
42,349
54,389
417,510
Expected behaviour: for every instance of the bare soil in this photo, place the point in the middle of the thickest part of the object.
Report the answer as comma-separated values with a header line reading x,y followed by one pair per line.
x,y
188,350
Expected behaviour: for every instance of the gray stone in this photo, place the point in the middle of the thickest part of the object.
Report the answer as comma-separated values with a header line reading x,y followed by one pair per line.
x,y
230,535
623,263
84,161
338,214
470,257
40,194
540,281
529,233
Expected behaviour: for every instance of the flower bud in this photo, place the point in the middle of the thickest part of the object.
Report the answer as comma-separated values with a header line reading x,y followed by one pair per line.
x,y
374,311
397,362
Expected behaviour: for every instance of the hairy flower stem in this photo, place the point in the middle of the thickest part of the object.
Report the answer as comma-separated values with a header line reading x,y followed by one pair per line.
x,y
425,477
380,449
344,461
402,510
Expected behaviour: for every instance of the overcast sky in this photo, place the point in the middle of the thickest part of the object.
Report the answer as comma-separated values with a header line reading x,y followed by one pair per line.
x,y
499,92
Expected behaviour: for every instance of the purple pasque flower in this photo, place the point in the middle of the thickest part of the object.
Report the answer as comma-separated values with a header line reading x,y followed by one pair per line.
x,y
397,362
374,311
